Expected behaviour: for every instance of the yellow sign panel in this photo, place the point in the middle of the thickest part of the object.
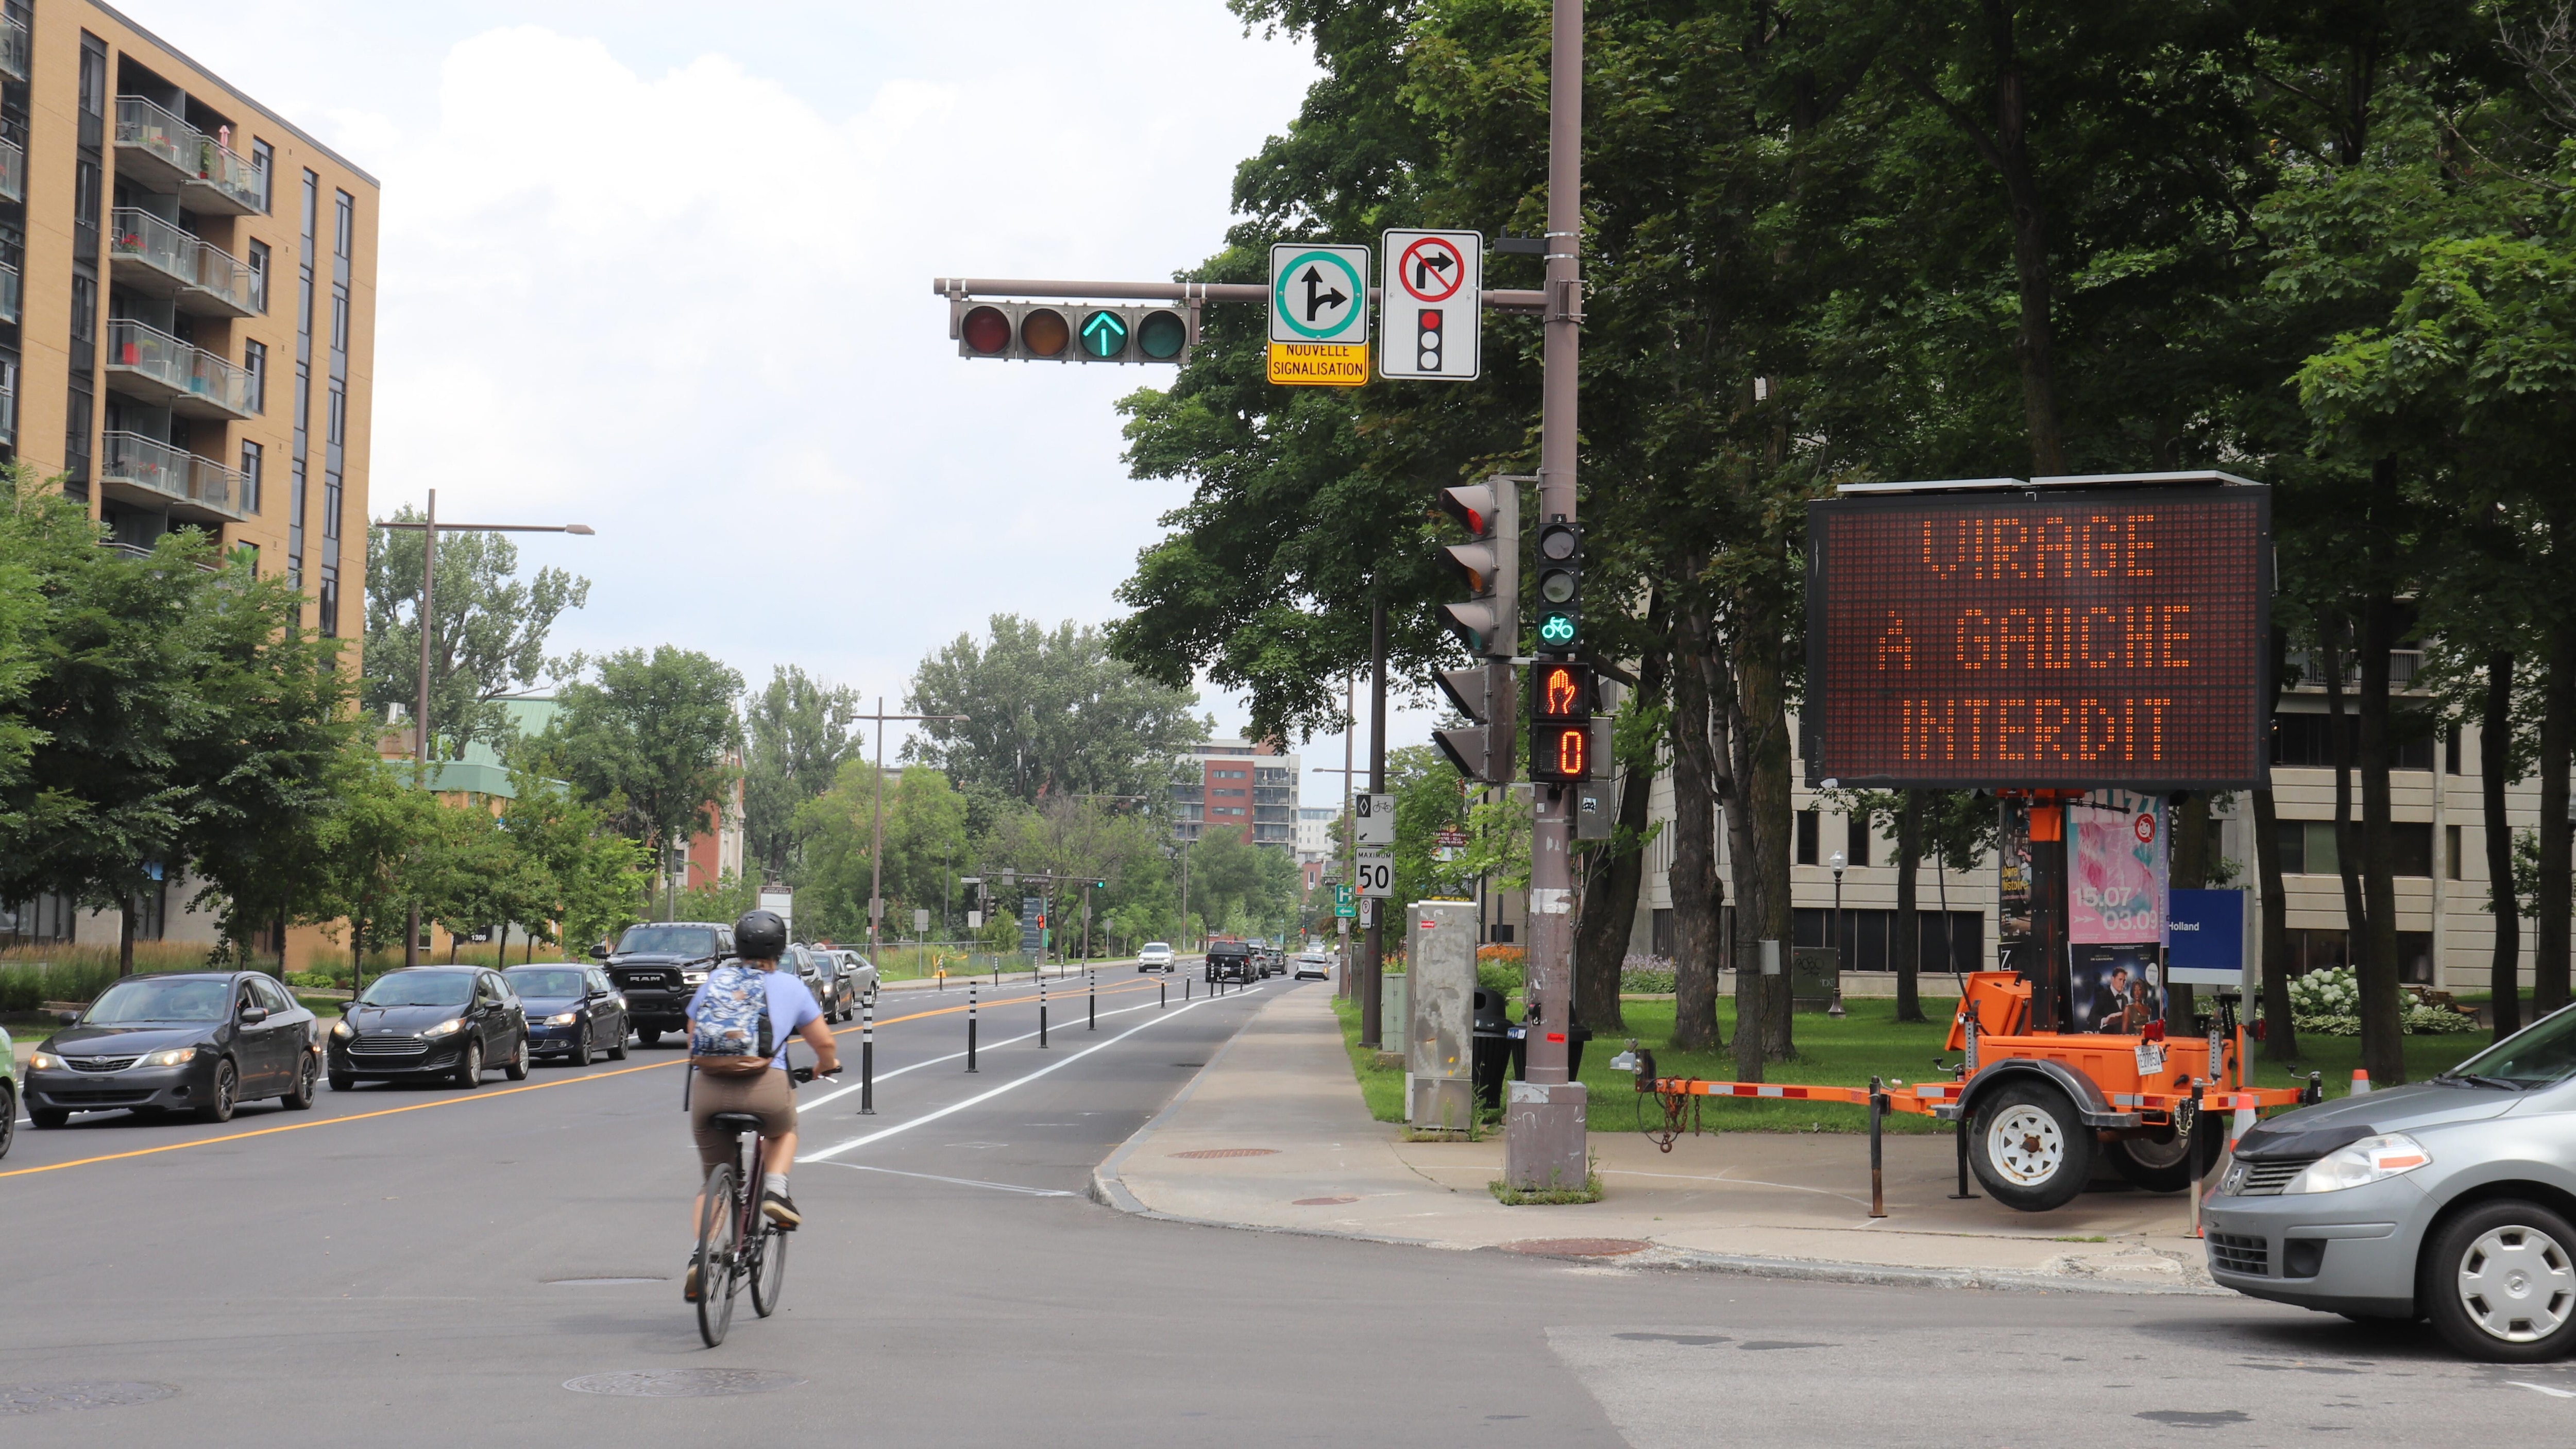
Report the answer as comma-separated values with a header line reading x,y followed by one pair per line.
x,y
1319,364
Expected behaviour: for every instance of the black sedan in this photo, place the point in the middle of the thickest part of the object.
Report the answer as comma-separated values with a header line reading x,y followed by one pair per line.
x,y
195,1041
573,1012
435,1023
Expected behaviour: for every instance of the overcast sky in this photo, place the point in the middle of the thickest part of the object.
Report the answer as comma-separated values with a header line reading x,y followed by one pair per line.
x,y
664,269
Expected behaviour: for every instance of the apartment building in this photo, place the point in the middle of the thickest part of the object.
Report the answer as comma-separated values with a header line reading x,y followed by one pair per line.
x,y
1315,838
1239,785
2444,933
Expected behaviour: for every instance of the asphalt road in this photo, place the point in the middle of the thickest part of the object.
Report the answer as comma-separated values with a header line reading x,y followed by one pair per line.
x,y
428,1266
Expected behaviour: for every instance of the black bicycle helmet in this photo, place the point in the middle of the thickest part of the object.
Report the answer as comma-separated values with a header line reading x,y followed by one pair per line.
x,y
760,936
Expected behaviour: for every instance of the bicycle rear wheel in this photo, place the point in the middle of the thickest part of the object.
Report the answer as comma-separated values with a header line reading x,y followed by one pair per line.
x,y
719,1245
769,1271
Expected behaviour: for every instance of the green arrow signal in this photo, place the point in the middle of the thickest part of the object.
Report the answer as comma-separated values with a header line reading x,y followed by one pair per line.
x,y
1104,334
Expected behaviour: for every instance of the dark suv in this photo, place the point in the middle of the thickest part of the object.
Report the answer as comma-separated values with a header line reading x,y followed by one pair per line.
x,y
1233,961
659,965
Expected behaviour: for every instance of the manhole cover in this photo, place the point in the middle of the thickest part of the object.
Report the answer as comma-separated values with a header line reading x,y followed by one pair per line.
x,y
683,1383
59,1398
1231,1152
611,1282
1576,1247
1321,1201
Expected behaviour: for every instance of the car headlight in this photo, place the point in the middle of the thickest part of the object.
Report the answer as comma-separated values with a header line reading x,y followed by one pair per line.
x,y
2372,1159
450,1027
45,1062
174,1057
342,1029
693,978
563,1018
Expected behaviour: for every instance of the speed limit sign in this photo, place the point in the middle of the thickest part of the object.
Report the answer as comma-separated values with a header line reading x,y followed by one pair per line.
x,y
1377,874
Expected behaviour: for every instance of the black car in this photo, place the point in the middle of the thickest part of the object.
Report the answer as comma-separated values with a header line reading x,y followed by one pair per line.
x,y
658,966
195,1041
1233,961
444,1023
573,1011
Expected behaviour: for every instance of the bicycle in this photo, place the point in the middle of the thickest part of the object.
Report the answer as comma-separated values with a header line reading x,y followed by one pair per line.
x,y
736,1243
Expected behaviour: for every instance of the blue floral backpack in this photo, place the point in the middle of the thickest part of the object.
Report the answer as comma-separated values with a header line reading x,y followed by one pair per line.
x,y
731,1034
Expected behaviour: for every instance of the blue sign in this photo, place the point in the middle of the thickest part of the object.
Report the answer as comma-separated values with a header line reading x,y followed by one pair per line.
x,y
2205,932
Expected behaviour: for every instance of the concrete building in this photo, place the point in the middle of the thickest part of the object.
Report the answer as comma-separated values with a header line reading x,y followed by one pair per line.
x,y
1239,784
1315,838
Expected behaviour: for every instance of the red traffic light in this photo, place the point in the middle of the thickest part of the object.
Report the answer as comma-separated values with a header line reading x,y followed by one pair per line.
x,y
1561,754
1561,692
986,331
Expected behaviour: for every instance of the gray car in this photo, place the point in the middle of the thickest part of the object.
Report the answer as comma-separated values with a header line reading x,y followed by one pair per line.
x,y
2450,1200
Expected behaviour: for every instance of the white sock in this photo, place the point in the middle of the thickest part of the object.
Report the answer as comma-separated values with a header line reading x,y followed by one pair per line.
x,y
774,1182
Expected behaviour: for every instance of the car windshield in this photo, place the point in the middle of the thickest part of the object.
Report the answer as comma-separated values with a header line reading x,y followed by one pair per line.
x,y
129,1002
2543,1053
545,983
1158,945
667,941
420,988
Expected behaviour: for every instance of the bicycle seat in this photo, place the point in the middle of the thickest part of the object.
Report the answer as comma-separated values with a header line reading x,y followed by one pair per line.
x,y
734,1122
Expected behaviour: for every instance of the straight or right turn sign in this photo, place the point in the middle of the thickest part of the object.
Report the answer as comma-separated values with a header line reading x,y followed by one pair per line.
x,y
1433,293
1318,315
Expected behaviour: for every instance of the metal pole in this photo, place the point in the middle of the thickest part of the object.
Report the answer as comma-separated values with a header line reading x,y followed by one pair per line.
x,y
420,706
970,1026
1877,1162
1350,825
876,840
1544,1133
1373,950
868,1056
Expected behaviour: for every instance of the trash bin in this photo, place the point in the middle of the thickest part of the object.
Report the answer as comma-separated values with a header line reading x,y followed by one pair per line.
x,y
1495,1047
1574,1041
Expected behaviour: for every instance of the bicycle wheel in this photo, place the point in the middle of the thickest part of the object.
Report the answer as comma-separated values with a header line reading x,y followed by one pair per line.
x,y
768,1270
719,1242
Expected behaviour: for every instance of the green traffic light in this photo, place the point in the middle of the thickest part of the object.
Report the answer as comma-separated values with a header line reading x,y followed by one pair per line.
x,y
1556,628
1104,334
1162,335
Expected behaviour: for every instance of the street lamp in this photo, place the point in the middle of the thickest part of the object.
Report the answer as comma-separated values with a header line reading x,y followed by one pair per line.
x,y
430,528
876,832
1837,862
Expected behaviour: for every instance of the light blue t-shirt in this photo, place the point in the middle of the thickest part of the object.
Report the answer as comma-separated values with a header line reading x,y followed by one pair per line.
x,y
790,1007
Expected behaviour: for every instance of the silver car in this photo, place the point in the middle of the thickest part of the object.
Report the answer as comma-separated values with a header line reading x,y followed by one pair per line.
x,y
2450,1200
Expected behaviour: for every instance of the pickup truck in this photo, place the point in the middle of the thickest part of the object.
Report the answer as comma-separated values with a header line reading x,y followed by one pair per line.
x,y
1233,961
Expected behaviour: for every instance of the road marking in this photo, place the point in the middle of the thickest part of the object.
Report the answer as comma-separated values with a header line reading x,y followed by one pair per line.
x,y
828,1153
959,1181
2517,1383
952,1056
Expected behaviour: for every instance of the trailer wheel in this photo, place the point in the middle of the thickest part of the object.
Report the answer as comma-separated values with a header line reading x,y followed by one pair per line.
x,y
2157,1166
2031,1151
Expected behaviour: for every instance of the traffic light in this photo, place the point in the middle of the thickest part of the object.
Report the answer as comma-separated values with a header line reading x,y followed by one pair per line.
x,y
1560,721
1560,587
1482,749
1066,332
1487,622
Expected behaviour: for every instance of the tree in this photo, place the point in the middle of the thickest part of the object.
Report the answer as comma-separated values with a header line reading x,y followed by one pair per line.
x,y
1047,713
799,733
925,847
491,634
648,742
586,877
381,855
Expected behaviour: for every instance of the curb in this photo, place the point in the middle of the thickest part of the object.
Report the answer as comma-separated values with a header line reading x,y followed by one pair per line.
x,y
1110,1191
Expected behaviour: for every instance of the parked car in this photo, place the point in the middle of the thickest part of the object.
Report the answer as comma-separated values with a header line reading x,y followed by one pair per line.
x,y
658,966
1232,961
8,1092
1154,956
573,1011
195,1041
814,969
449,1023
2445,1200
858,976
1315,965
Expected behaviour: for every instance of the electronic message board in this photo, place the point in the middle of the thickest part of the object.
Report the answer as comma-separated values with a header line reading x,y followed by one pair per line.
x,y
2058,637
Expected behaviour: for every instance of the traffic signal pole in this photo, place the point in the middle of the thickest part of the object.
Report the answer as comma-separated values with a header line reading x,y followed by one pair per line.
x,y
1544,1125
1373,952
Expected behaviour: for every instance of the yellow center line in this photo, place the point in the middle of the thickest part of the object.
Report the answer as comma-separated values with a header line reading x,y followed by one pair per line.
x,y
479,1096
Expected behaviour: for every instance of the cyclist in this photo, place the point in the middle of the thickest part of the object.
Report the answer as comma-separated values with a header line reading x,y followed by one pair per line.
x,y
744,1000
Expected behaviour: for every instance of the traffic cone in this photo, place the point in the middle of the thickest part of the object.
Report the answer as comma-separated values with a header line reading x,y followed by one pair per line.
x,y
2360,1081
2243,1124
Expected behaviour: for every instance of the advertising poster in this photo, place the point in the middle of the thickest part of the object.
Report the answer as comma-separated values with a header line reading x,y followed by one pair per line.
x,y
2012,849
2116,866
2118,988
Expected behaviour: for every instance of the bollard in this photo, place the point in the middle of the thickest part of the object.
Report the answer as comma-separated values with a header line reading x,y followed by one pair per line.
x,y
2199,1169
868,1056
1162,995
1042,1005
2360,1082
970,1026
1877,1162
1091,1004
1186,984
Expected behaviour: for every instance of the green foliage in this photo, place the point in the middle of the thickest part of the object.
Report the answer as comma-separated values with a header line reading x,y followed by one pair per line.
x,y
647,742
800,732
926,850
491,634
1047,713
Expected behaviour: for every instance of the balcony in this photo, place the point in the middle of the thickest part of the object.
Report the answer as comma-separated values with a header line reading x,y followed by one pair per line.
x,y
17,49
9,417
141,469
151,255
8,293
13,171
167,154
147,363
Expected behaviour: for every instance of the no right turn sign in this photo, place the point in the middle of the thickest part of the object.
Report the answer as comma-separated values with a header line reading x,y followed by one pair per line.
x,y
1433,292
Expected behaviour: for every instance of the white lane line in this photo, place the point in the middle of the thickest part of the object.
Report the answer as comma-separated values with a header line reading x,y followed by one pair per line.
x,y
1052,1031
882,1133
2543,1389
959,1181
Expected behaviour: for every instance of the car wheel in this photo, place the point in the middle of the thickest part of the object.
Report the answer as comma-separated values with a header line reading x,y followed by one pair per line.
x,y
617,1046
343,1082
516,1069
2500,1282
469,1072
581,1047
46,1119
227,1094
8,1117
647,1038
2029,1148
299,1098
2156,1166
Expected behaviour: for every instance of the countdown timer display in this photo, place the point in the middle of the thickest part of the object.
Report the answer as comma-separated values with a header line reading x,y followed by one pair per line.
x,y
2081,638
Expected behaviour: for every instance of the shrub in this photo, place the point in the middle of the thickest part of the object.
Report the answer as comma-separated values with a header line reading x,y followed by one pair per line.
x,y
1646,975
2328,1003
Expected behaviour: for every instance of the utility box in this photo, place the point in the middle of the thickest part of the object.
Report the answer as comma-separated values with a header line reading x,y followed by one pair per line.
x,y
1815,978
1394,1025
1440,1034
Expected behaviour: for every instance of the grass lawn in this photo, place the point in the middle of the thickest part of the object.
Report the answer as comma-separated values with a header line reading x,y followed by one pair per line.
x,y
1843,1053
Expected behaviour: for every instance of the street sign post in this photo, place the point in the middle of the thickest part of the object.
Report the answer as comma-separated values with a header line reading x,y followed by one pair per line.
x,y
1376,818
1377,874
1318,315
1433,294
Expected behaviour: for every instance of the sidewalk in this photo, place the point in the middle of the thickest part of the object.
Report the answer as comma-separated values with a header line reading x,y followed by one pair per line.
x,y
1272,1136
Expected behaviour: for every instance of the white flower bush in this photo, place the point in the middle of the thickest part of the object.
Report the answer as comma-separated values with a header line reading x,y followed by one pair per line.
x,y
2328,1003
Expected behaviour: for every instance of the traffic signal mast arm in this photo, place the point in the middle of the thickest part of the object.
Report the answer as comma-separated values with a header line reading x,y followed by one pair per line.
x,y
960,289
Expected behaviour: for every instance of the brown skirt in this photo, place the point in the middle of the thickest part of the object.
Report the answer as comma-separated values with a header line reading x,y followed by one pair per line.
x,y
766,1095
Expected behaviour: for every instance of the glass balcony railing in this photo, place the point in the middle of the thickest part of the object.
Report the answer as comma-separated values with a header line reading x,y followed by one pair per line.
x,y
140,236
13,171
213,380
9,417
229,280
146,127
145,463
212,484
17,48
148,352
8,293
236,176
